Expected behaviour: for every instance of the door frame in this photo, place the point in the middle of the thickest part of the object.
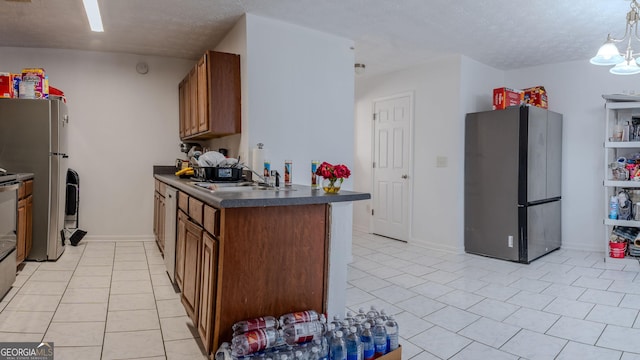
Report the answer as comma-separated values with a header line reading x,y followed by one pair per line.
x,y
411,95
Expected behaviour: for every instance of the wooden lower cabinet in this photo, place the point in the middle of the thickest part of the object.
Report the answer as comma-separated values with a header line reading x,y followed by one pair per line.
x,y
180,240
191,275
208,270
159,213
29,236
22,231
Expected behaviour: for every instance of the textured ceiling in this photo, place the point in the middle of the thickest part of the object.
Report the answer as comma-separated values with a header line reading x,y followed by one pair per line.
x,y
389,34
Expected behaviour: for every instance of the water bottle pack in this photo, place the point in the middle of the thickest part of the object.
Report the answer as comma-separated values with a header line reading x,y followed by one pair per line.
x,y
306,335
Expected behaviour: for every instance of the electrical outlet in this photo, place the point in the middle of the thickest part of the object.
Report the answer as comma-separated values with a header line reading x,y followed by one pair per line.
x,y
510,241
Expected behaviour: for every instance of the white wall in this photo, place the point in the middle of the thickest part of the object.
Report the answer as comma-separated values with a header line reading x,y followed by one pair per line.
x,y
436,214
297,95
575,89
121,124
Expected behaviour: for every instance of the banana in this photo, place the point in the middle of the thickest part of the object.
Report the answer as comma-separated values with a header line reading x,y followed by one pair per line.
x,y
185,171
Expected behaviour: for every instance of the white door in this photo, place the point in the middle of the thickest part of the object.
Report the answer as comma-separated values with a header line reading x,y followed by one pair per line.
x,y
391,183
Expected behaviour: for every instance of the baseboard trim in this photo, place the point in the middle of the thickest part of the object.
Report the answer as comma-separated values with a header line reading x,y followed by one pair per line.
x,y
119,238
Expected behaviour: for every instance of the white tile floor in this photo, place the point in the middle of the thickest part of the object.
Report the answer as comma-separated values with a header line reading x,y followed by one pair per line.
x,y
566,305
102,300
112,300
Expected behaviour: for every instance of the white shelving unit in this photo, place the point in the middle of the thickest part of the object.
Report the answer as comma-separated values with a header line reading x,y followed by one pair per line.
x,y
617,113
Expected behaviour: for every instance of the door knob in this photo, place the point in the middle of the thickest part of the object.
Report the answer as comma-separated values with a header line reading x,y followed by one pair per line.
x,y
405,176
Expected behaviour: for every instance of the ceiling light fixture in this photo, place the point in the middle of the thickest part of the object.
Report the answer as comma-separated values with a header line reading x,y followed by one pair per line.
x,y
93,15
359,68
608,54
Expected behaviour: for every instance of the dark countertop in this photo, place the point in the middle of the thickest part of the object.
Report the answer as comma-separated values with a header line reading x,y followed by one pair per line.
x,y
299,195
25,176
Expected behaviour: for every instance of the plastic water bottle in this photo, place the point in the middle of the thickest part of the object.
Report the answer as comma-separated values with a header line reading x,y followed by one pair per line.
x,y
323,348
298,317
613,207
315,354
367,342
358,327
392,329
336,321
379,338
255,340
373,312
298,333
354,345
349,317
338,347
361,315
254,324
344,327
383,315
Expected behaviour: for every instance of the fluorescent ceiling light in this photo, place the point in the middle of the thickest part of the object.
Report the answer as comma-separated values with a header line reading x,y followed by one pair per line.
x,y
93,15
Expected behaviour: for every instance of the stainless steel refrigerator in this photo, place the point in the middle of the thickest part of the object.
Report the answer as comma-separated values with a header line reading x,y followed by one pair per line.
x,y
512,176
33,138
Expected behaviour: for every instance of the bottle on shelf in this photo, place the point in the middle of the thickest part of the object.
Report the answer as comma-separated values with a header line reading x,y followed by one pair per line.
x,y
367,342
613,207
391,326
379,338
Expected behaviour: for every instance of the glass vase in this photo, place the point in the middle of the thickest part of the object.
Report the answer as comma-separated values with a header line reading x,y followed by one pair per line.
x,y
331,185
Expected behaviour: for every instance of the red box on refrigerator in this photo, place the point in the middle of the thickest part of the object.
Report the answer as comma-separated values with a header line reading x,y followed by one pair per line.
x,y
504,97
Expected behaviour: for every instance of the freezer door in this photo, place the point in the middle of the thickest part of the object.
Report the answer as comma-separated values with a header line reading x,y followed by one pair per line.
x,y
544,231
59,127
491,183
536,154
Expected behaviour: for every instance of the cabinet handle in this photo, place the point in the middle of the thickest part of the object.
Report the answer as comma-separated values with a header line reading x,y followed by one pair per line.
x,y
405,176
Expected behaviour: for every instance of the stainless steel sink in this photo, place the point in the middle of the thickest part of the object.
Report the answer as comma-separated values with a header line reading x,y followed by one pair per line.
x,y
236,187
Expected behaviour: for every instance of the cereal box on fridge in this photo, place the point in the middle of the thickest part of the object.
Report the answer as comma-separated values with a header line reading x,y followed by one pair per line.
x,y
504,97
35,77
536,96
6,85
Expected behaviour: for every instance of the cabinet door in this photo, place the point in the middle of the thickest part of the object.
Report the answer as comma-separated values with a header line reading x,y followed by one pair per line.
x,y
182,106
209,266
180,241
161,216
187,105
191,279
203,95
29,232
155,215
193,101
22,230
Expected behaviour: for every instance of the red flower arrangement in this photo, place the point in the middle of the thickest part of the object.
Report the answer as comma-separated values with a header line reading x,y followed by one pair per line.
x,y
334,174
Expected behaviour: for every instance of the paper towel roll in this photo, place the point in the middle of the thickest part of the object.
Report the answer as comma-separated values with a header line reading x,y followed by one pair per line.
x,y
258,155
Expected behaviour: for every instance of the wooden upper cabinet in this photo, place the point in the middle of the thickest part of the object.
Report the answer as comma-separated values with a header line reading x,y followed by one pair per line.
x,y
193,101
212,101
183,88
203,93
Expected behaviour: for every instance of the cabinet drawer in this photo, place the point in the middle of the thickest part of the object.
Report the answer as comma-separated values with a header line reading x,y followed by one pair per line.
x,y
183,202
211,220
195,210
21,190
28,187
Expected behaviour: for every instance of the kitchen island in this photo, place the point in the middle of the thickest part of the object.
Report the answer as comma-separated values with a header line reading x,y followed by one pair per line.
x,y
247,252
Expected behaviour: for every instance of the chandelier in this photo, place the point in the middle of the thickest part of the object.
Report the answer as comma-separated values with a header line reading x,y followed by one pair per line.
x,y
608,54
